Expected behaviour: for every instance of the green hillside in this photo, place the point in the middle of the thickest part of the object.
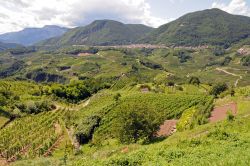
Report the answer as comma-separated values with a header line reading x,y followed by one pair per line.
x,y
208,27
101,32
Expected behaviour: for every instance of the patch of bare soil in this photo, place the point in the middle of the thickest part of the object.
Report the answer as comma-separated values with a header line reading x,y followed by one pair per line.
x,y
167,129
3,162
125,150
58,129
85,54
144,90
220,113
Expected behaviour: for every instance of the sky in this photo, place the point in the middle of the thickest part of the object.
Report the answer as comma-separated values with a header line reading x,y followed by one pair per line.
x,y
18,14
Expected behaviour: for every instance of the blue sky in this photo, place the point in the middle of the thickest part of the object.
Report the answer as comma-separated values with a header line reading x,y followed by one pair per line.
x,y
18,14
177,8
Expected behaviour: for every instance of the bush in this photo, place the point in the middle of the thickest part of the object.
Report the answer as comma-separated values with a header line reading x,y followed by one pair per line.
x,y
219,51
85,129
151,65
194,81
117,96
180,88
218,89
245,61
170,83
230,116
183,56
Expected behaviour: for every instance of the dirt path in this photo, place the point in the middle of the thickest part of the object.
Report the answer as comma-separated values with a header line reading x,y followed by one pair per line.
x,y
77,107
229,73
58,129
220,113
167,129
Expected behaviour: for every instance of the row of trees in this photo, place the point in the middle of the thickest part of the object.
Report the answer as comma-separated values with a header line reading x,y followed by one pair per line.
x,y
77,90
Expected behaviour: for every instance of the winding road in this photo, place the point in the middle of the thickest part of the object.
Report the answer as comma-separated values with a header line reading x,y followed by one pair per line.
x,y
229,73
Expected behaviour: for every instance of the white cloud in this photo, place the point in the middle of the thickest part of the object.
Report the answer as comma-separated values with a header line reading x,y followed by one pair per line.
x,y
235,7
18,14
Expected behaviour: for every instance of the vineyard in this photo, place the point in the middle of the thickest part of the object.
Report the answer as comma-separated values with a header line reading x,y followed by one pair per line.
x,y
31,136
169,105
165,106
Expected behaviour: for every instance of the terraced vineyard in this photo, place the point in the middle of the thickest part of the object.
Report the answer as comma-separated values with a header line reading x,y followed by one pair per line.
x,y
170,105
30,136
164,106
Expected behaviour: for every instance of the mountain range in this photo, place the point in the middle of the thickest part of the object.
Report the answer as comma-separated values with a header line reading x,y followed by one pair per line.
x,y
30,36
207,27
101,32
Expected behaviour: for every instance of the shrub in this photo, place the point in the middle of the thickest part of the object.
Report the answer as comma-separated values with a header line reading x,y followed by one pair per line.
x,y
151,65
183,56
245,61
170,83
85,129
117,96
219,51
180,88
218,89
230,116
194,81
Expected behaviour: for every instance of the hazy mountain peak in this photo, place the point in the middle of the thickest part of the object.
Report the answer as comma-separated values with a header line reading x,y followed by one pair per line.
x,y
29,36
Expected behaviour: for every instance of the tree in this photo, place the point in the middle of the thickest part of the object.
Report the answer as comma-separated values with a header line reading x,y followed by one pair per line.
x,y
117,96
232,91
76,91
170,83
85,129
219,51
136,123
245,61
217,89
194,81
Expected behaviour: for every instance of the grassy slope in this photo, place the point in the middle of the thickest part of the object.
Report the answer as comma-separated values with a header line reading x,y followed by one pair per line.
x,y
3,120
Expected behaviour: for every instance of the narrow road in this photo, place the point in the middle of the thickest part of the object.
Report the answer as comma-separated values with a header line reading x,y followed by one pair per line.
x,y
77,107
229,73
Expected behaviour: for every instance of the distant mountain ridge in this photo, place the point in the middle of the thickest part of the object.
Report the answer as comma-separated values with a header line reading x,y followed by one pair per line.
x,y
30,36
101,32
207,27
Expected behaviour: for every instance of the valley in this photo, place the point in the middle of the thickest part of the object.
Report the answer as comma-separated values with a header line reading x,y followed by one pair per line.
x,y
111,93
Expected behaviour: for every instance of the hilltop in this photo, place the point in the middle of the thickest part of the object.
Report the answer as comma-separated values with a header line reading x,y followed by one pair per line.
x,y
208,27
101,32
